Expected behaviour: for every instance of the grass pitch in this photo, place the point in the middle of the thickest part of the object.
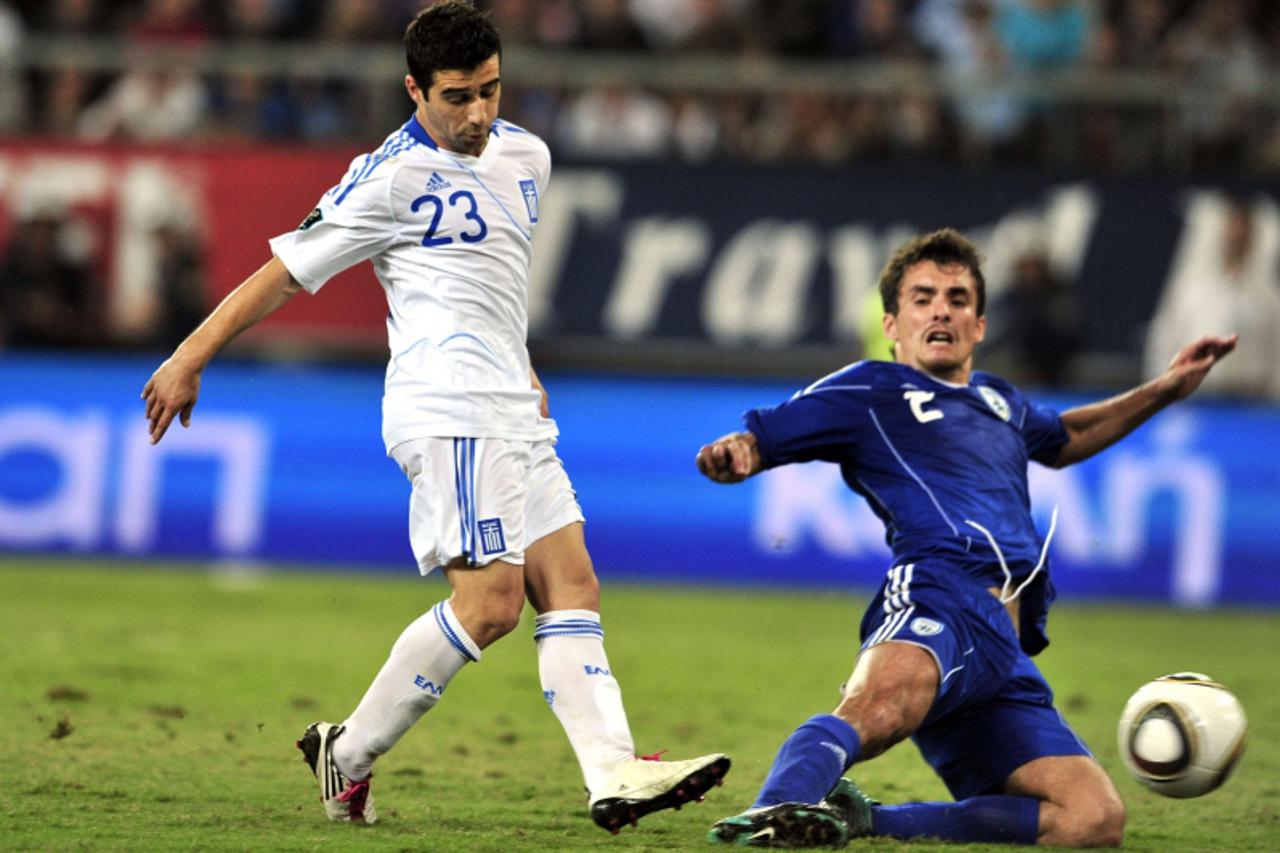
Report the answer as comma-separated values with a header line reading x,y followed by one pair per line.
x,y
156,710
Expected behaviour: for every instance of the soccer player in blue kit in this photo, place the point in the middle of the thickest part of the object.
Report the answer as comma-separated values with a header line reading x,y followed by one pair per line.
x,y
445,210
940,452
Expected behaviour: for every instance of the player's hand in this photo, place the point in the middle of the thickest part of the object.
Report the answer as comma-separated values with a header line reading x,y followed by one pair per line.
x,y
1193,362
171,392
730,459
544,406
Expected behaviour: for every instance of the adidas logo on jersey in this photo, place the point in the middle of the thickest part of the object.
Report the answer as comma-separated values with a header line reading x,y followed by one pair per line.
x,y
437,183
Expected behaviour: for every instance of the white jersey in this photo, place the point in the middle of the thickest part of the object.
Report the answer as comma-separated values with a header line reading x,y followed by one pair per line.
x,y
450,240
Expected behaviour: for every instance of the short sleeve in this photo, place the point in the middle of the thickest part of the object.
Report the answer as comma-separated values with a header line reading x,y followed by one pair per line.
x,y
814,424
1043,434
352,223
544,167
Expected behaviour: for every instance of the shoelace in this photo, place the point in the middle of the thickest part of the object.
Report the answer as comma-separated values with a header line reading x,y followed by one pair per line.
x,y
653,756
1005,595
355,797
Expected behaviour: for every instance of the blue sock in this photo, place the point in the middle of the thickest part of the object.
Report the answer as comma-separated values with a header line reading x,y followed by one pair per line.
x,y
810,762
998,819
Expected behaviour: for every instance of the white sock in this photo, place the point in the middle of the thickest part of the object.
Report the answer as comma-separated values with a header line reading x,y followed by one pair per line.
x,y
581,690
428,654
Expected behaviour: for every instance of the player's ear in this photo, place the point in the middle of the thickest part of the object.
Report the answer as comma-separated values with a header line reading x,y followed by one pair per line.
x,y
415,91
890,325
981,329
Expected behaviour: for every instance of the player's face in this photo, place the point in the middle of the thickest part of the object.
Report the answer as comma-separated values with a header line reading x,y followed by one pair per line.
x,y
937,325
460,105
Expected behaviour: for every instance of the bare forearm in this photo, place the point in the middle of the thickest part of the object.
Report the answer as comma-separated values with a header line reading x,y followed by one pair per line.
x,y
172,391
1095,427
256,298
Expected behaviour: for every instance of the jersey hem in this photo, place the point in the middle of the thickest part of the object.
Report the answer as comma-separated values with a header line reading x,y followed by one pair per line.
x,y
399,437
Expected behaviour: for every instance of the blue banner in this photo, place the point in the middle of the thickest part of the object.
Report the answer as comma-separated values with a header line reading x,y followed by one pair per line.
x,y
790,256
285,464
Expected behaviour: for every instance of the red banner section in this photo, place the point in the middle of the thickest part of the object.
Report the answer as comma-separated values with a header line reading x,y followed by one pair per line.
x,y
114,199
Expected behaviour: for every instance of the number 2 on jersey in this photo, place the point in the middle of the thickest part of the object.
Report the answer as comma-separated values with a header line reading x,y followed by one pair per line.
x,y
473,213
916,400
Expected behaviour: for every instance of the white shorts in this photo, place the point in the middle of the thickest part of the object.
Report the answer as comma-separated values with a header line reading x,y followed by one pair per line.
x,y
484,499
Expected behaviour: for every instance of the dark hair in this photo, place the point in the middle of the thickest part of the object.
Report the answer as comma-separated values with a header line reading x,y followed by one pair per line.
x,y
946,247
447,36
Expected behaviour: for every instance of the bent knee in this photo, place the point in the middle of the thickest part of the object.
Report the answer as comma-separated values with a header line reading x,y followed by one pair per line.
x,y
1108,829
500,619
1098,824
882,720
579,591
489,619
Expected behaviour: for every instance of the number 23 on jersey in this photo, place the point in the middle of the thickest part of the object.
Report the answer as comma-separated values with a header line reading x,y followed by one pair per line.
x,y
433,205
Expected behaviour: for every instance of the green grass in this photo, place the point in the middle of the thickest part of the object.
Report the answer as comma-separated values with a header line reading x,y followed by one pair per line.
x,y
178,695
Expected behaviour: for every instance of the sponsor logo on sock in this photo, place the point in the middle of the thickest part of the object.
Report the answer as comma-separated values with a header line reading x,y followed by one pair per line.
x,y
550,696
429,686
839,751
590,669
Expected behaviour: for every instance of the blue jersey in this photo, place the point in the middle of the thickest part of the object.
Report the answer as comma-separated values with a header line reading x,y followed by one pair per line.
x,y
928,456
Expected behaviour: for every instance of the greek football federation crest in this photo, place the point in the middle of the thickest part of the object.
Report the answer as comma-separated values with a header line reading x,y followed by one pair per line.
x,y
529,190
997,403
492,540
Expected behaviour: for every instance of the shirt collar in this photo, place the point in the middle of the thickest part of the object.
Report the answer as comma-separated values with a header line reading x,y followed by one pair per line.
x,y
418,132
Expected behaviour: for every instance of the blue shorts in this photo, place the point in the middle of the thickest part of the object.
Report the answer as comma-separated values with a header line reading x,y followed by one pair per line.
x,y
994,711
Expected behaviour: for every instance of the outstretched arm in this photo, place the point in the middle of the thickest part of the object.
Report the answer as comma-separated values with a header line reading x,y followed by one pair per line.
x,y
173,389
1095,427
731,458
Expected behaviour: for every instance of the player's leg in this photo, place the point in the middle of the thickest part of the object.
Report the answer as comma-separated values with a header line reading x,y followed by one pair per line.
x,y
425,658
466,516
918,660
912,634
887,697
889,694
1018,773
1058,800
577,678
1079,805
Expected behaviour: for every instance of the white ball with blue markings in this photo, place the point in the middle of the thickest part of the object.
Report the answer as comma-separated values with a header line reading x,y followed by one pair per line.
x,y
1182,734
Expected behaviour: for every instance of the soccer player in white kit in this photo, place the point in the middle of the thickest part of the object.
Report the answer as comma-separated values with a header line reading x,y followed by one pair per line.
x,y
445,210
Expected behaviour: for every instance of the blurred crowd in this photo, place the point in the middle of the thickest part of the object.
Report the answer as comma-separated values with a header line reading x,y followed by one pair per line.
x,y
1194,79
1193,74
53,289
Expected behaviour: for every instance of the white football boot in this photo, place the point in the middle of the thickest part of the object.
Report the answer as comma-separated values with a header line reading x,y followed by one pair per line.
x,y
342,798
647,785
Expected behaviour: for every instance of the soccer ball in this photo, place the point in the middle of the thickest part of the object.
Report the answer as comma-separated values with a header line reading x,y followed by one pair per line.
x,y
1182,734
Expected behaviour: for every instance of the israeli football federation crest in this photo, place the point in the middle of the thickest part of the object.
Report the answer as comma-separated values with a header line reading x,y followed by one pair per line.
x,y
923,627
529,190
997,403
